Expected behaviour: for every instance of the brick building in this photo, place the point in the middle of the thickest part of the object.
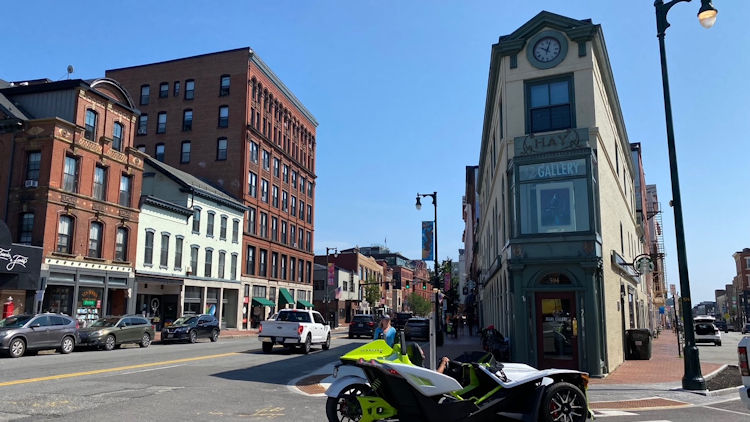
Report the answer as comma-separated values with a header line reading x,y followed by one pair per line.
x,y
73,190
741,284
226,118
364,267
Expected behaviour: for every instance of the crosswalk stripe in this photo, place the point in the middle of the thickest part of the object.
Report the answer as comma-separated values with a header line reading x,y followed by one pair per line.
x,y
610,413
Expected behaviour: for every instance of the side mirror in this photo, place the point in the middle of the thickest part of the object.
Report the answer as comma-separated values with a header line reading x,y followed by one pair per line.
x,y
36,325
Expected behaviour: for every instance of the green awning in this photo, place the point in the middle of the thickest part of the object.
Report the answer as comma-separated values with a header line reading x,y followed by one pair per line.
x,y
285,297
261,301
304,304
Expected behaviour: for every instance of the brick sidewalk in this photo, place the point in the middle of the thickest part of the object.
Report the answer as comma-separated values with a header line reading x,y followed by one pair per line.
x,y
663,367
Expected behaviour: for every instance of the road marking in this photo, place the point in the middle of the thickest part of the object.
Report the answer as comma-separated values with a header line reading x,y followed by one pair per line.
x,y
152,369
727,410
119,368
609,413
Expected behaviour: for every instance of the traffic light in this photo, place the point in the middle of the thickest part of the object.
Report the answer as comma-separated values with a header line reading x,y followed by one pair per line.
x,y
407,284
397,281
387,285
424,285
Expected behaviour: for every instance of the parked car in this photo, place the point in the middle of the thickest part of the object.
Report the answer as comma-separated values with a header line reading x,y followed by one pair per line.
x,y
114,331
417,328
746,329
730,326
20,334
743,349
722,326
295,328
191,328
706,331
400,321
362,325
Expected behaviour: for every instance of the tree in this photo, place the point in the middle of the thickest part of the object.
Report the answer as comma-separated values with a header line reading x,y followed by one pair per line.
x,y
419,305
372,291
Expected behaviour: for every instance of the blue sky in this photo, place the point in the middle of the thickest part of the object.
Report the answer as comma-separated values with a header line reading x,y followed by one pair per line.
x,y
398,88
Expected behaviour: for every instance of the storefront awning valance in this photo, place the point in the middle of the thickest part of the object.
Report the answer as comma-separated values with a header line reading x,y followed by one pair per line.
x,y
303,304
261,301
285,297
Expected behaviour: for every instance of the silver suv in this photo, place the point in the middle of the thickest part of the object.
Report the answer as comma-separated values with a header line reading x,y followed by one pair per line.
x,y
20,334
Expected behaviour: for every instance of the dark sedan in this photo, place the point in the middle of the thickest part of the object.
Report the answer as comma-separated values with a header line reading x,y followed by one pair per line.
x,y
362,325
191,328
417,328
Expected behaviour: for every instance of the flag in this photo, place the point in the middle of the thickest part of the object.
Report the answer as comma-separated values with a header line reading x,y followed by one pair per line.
x,y
428,244
338,293
331,271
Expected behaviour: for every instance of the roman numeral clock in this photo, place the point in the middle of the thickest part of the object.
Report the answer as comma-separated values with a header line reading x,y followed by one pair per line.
x,y
547,49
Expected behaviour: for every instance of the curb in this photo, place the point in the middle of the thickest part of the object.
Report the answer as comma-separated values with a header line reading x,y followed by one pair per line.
x,y
722,392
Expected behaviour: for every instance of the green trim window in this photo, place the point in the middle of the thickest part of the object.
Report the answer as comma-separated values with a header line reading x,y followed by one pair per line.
x,y
549,105
554,197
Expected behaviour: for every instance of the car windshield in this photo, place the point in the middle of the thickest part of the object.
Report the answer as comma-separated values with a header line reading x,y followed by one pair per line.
x,y
185,320
416,322
15,321
105,322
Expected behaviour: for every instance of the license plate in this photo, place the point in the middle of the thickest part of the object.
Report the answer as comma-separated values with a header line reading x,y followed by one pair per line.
x,y
638,343
360,325
170,335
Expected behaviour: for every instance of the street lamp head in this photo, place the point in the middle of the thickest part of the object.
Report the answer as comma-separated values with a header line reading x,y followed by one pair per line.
x,y
419,203
707,14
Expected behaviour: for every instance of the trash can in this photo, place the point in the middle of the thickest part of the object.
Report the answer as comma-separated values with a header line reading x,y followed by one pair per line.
x,y
638,344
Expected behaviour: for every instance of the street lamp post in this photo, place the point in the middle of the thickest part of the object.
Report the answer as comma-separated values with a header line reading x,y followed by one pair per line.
x,y
438,329
326,297
692,379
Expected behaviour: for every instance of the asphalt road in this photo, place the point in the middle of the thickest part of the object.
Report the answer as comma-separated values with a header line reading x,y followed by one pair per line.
x,y
231,380
724,354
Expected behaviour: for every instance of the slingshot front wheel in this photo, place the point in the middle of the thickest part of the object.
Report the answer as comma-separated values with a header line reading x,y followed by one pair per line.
x,y
345,407
563,402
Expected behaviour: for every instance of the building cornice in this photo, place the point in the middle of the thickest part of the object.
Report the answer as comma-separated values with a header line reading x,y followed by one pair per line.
x,y
166,205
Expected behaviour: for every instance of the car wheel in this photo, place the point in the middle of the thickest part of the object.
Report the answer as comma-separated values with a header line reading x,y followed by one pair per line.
x,y
718,343
327,344
145,340
308,344
351,335
563,402
214,335
109,342
67,345
193,335
267,347
345,406
17,348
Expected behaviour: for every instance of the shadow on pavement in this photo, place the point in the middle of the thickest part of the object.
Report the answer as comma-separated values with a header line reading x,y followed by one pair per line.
x,y
282,371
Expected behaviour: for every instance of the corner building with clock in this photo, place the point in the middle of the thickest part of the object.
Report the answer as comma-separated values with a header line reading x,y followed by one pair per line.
x,y
557,225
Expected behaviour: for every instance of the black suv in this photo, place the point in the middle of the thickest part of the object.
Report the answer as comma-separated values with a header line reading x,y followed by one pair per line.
x,y
400,321
191,328
417,328
362,325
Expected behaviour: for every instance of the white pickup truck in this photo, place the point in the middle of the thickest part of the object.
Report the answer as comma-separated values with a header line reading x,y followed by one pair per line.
x,y
295,328
743,351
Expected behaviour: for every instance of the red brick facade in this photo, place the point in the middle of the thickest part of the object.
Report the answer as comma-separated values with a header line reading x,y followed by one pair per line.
x,y
261,111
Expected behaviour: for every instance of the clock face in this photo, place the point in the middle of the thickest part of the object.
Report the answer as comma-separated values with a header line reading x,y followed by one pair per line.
x,y
547,49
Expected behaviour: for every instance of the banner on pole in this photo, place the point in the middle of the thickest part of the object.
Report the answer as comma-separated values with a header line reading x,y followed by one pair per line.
x,y
447,281
428,243
331,267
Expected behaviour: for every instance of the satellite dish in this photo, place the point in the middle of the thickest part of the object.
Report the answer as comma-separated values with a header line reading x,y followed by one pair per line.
x,y
70,70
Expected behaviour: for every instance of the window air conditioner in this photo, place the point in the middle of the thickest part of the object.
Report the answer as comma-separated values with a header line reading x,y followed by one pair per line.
x,y
31,184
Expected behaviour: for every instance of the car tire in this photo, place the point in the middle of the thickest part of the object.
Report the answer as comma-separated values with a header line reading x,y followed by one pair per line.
x,y
327,344
267,347
16,348
351,335
214,335
192,336
67,345
564,400
109,342
308,345
145,340
718,343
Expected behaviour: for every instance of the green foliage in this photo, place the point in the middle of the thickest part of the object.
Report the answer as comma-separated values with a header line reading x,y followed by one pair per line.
x,y
419,305
372,291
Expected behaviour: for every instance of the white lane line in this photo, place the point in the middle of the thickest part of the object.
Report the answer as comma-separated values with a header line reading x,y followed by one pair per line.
x,y
727,410
610,413
150,369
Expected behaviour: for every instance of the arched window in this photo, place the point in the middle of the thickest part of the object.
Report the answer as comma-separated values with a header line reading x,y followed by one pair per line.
x,y
65,230
95,240
121,244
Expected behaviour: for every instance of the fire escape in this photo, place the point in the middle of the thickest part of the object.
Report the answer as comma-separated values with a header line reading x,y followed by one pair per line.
x,y
656,250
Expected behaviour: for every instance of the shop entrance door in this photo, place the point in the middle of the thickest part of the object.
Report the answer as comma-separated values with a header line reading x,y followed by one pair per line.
x,y
557,330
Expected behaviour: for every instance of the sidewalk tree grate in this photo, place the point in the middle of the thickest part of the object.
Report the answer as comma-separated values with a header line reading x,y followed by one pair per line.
x,y
311,384
640,404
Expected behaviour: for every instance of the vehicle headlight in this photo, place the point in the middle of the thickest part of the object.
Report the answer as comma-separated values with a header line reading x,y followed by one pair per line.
x,y
95,333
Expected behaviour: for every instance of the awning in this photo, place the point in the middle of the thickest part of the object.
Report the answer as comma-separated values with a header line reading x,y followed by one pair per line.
x,y
261,301
304,304
285,297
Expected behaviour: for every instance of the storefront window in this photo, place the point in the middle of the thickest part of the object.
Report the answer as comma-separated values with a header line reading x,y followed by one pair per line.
x,y
89,305
192,303
58,299
552,198
212,301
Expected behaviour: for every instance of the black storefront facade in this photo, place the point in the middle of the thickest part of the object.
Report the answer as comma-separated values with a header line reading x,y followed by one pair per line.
x,y
19,272
554,265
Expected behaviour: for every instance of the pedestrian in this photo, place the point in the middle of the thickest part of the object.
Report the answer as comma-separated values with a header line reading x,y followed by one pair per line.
x,y
455,325
385,331
470,322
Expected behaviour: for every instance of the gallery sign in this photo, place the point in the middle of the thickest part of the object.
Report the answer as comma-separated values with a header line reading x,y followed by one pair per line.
x,y
552,170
